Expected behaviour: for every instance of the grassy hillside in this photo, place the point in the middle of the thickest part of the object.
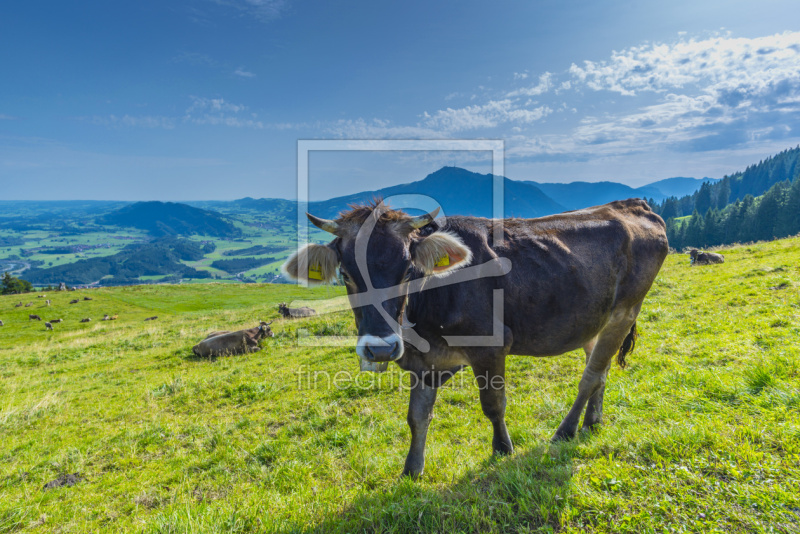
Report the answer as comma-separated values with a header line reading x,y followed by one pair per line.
x,y
702,430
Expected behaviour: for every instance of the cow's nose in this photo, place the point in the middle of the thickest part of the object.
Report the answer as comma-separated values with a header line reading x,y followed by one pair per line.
x,y
382,352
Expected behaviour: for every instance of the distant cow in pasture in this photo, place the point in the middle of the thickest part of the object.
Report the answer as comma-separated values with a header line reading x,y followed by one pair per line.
x,y
54,321
229,343
48,326
295,313
705,258
19,305
29,304
74,301
153,318
87,298
108,317
40,296
33,317
47,302
1,323
86,320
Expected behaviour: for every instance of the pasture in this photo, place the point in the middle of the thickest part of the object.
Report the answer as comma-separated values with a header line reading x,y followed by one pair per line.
x,y
701,432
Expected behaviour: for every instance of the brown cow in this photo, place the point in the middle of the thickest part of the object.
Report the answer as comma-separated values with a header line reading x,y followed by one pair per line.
x,y
537,287
34,317
229,343
704,258
295,313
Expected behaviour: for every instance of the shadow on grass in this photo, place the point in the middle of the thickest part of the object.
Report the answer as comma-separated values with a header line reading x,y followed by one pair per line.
x,y
520,493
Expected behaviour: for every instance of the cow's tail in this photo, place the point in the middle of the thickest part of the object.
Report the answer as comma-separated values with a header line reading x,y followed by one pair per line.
x,y
627,346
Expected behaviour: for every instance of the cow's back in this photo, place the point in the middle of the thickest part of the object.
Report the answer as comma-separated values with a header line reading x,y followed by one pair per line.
x,y
568,274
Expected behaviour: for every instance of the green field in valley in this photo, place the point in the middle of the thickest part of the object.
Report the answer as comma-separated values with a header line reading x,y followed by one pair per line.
x,y
701,431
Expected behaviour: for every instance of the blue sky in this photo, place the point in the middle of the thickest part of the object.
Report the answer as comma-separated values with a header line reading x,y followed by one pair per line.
x,y
206,99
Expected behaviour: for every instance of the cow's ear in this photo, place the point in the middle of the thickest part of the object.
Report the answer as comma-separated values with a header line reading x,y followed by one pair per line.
x,y
440,252
320,260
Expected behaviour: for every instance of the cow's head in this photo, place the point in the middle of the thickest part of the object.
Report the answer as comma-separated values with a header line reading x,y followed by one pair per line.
x,y
264,330
378,251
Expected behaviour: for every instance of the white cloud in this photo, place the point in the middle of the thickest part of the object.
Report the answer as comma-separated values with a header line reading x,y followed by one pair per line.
x,y
217,111
244,73
544,85
146,121
721,66
489,115
262,10
379,129
689,95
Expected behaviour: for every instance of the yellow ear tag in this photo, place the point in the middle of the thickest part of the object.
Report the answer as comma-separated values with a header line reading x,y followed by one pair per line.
x,y
444,261
315,272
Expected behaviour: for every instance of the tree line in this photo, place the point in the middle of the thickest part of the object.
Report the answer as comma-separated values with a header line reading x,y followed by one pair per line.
x,y
761,203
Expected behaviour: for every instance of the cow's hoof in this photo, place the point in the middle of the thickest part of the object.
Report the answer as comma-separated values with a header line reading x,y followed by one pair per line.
x,y
412,473
591,428
503,448
562,435
413,469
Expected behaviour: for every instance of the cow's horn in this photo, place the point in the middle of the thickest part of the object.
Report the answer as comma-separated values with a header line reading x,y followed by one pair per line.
x,y
323,224
422,220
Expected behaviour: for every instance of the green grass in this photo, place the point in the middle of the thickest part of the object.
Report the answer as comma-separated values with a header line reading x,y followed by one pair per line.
x,y
701,433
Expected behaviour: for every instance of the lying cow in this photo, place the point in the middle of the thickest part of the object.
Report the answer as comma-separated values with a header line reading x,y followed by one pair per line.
x,y
474,290
34,318
86,320
705,258
295,313
153,318
108,317
224,342
54,321
18,305
74,301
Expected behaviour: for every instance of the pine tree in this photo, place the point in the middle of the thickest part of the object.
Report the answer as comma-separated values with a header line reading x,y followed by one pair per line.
x,y
702,202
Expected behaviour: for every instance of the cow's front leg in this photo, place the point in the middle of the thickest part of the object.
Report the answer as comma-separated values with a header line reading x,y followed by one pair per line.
x,y
491,380
420,413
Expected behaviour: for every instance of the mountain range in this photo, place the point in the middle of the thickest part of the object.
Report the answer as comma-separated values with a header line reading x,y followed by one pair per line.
x,y
463,192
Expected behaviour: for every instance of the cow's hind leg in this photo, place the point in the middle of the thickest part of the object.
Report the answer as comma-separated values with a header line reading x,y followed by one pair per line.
x,y
594,408
490,377
593,380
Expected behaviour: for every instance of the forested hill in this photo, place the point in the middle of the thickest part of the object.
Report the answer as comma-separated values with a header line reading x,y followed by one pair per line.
x,y
756,180
171,218
775,214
